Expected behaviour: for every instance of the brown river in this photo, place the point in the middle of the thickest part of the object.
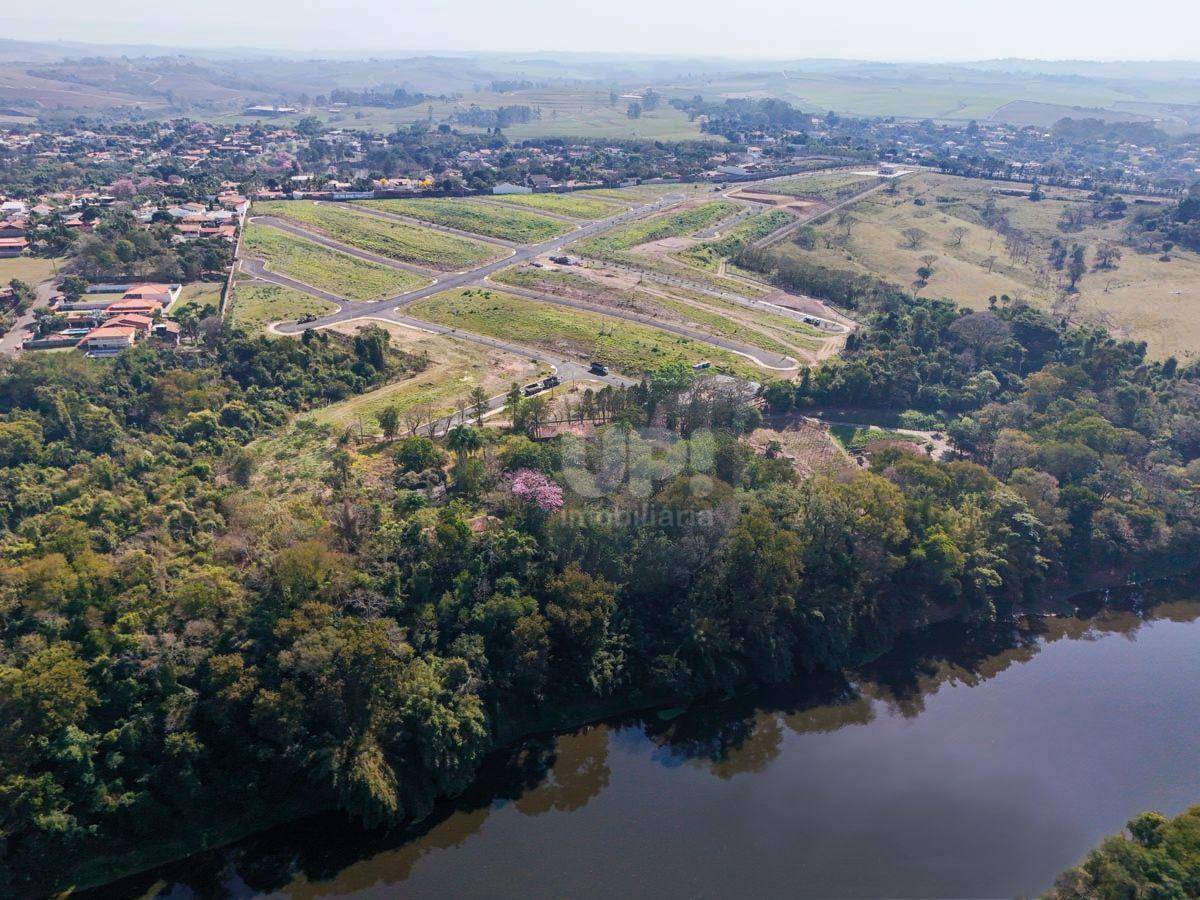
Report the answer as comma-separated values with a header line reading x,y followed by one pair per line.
x,y
966,763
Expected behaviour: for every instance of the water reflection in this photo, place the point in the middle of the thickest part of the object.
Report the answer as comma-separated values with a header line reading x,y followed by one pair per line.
x,y
328,856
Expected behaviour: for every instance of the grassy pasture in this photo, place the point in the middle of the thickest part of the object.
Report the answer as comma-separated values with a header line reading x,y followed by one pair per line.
x,y
1143,298
256,306
828,186
626,346
711,254
477,218
339,273
395,240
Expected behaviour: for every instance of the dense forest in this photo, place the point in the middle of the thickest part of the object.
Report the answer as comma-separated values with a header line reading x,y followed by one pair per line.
x,y
176,642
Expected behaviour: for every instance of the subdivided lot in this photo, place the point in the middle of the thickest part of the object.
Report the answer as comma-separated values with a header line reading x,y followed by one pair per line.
x,y
965,227
478,218
396,240
580,205
778,334
828,186
257,305
613,244
327,269
455,367
626,346
30,269
710,254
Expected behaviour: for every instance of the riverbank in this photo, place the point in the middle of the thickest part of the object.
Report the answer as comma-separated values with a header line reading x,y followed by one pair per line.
x,y
213,829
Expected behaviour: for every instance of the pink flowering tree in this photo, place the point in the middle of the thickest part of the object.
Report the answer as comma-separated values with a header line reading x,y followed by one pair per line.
x,y
123,188
531,486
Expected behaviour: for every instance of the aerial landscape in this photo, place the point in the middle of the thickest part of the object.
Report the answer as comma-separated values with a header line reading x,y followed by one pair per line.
x,y
556,452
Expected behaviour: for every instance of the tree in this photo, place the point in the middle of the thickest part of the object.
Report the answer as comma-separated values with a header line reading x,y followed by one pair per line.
x,y
913,238
479,404
1108,256
957,234
463,440
73,287
389,420
634,111
1076,268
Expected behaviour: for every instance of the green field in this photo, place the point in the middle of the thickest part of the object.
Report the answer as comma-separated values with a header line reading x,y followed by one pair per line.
x,y
711,254
198,294
339,273
477,218
579,205
257,305
395,240
613,244
626,346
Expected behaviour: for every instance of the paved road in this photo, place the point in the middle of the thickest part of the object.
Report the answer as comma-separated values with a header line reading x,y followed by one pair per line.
x,y
22,327
463,279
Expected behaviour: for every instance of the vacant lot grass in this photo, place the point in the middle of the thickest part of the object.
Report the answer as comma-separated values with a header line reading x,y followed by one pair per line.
x,y
339,273
395,240
30,269
626,346
455,367
257,305
612,244
198,294
580,205
719,318
478,218
828,186
1143,298
711,254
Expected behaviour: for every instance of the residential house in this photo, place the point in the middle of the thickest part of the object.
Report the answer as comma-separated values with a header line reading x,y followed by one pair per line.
x,y
108,340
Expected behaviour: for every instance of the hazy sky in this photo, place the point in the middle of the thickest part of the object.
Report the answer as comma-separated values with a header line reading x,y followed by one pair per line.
x,y
874,29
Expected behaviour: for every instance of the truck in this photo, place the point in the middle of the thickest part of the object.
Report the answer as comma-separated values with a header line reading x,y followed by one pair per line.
x,y
598,368
534,387
550,381
701,366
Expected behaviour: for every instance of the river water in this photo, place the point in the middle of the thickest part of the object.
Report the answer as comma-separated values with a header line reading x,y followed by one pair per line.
x,y
967,763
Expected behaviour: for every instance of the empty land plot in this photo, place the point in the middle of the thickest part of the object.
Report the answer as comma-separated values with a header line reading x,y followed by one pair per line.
x,y
626,346
197,295
827,186
256,306
478,218
613,244
724,319
395,240
325,268
710,254
808,446
959,226
577,206
455,368
30,269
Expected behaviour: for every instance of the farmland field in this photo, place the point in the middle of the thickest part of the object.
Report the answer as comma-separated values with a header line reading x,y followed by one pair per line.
x,y
579,205
1141,298
477,218
395,240
257,305
324,268
626,346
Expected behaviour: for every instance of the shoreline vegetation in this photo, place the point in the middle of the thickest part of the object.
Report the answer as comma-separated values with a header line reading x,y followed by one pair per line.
x,y
261,819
